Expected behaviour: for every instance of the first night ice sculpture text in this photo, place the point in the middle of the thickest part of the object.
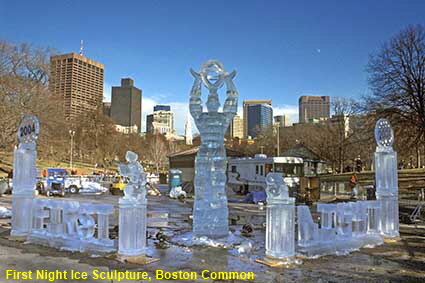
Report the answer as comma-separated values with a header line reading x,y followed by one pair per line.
x,y
210,212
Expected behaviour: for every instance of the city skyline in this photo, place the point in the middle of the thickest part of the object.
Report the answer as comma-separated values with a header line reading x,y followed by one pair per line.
x,y
282,50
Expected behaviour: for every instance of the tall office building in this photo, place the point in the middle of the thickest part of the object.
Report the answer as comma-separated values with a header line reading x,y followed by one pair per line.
x,y
283,120
313,107
79,81
235,129
126,104
161,121
260,119
254,119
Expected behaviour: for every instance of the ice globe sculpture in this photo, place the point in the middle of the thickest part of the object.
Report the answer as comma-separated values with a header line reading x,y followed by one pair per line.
x,y
210,212
386,178
24,176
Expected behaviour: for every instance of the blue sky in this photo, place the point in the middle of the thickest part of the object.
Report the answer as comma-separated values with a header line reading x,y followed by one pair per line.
x,y
281,49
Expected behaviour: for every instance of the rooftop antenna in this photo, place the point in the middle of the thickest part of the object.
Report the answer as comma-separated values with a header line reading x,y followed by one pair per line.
x,y
81,47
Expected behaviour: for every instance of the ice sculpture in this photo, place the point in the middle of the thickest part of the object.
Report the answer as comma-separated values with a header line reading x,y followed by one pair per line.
x,y
132,219
70,225
210,212
280,231
386,178
344,227
24,176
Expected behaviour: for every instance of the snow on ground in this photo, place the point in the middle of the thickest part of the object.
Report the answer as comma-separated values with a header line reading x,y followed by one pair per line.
x,y
5,212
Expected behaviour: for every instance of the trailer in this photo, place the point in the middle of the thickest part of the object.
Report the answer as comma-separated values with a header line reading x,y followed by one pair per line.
x,y
249,174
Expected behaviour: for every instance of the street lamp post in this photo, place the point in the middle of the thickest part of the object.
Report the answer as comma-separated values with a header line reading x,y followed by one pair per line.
x,y
71,133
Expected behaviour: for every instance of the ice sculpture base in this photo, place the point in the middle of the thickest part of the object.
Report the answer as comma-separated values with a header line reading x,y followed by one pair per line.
x,y
21,213
389,224
341,246
205,221
132,227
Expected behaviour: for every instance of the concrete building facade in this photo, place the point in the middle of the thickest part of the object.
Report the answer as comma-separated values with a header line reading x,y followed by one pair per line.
x,y
79,81
235,129
126,104
313,108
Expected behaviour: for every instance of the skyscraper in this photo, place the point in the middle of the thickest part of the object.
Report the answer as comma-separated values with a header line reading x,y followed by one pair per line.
x,y
260,118
126,105
313,107
79,81
161,121
246,114
235,129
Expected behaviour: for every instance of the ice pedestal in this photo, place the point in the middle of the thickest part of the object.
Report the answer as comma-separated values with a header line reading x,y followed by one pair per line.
x,y
386,179
24,181
21,213
132,228
210,211
280,229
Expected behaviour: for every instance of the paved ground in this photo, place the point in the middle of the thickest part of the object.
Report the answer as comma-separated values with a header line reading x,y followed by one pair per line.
x,y
402,261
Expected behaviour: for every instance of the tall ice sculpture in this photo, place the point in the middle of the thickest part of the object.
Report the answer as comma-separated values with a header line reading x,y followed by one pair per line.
x,y
280,231
24,176
210,212
386,178
132,219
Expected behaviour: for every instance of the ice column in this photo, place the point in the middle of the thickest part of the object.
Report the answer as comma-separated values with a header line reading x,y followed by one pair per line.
x,y
132,219
280,229
386,178
210,211
24,176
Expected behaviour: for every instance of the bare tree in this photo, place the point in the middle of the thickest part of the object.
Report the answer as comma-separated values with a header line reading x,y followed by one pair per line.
x,y
157,150
397,79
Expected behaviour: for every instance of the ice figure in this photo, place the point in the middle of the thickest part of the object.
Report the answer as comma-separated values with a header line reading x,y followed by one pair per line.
x,y
386,178
24,176
69,225
132,219
210,212
280,233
